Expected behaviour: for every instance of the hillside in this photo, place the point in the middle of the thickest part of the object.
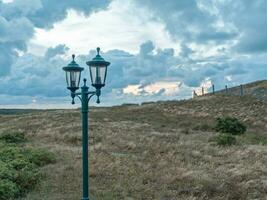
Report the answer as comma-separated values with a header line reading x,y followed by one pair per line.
x,y
161,150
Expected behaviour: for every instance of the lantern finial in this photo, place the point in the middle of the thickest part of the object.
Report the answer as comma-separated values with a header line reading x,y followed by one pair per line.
x,y
73,57
84,81
98,50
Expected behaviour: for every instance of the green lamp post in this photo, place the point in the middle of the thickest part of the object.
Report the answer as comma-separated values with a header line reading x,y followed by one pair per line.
x,y
98,72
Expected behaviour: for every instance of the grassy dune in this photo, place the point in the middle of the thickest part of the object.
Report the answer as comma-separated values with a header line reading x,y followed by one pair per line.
x,y
161,150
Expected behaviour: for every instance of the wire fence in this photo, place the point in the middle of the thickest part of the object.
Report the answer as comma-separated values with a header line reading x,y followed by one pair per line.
x,y
237,90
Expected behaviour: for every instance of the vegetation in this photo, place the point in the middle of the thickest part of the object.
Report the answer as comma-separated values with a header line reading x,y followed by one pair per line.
x,y
151,151
254,139
13,137
19,165
225,139
230,125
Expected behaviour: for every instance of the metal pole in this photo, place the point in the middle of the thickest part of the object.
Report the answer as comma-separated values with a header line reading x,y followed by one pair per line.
x,y
84,111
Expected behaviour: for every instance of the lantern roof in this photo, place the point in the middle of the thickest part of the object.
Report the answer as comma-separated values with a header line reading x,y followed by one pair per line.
x,y
98,60
73,66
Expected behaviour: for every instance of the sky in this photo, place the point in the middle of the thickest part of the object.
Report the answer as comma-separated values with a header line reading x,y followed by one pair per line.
x,y
158,49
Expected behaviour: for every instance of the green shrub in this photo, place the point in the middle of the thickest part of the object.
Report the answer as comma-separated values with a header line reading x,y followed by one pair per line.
x,y
225,139
27,178
20,163
230,125
8,189
6,171
40,157
10,153
13,137
19,169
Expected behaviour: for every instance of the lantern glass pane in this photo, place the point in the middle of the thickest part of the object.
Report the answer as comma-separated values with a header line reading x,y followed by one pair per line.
x,y
102,74
73,78
93,74
98,74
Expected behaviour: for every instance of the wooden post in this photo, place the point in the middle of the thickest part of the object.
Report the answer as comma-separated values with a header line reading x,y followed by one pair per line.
x,y
202,90
194,94
213,89
226,89
241,90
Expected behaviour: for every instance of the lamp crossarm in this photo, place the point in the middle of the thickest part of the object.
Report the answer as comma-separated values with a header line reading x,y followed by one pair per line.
x,y
89,95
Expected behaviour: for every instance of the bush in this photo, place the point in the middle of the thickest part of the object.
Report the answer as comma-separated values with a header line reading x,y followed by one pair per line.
x,y
19,169
230,125
27,178
6,171
40,157
8,189
225,139
13,137
10,153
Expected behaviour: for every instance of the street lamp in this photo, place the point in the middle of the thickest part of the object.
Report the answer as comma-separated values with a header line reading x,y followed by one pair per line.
x,y
98,72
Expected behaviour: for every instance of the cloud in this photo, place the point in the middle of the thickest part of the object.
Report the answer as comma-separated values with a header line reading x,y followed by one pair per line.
x,y
35,76
187,20
19,18
13,35
239,25
214,42
9,33
45,13
6,59
43,76
152,74
249,18
146,48
111,27
60,49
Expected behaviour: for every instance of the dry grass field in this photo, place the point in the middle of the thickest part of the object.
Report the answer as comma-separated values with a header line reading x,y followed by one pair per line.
x,y
161,151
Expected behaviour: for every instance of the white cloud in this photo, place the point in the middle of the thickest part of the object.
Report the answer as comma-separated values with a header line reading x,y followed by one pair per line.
x,y
7,1
124,28
132,89
163,88
206,85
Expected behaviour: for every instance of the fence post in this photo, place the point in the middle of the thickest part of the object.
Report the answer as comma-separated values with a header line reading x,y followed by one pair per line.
x,y
241,90
213,89
194,94
226,89
202,90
